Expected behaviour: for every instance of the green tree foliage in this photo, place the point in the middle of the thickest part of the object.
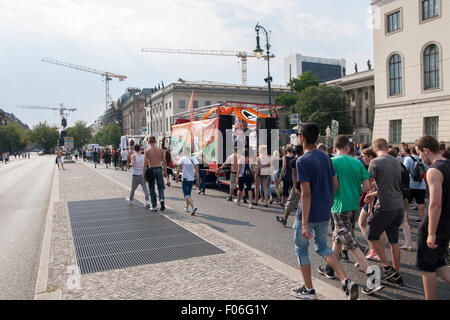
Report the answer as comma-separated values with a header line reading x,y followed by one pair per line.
x,y
11,138
81,133
45,136
323,103
306,80
109,135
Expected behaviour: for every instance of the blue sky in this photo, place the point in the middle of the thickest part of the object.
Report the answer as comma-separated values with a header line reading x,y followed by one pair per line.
x,y
109,35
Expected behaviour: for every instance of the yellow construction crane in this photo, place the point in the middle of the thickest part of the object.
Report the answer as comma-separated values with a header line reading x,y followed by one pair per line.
x,y
108,75
242,55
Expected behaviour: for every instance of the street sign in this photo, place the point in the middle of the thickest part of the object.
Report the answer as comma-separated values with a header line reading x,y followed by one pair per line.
x,y
288,132
293,119
334,129
144,130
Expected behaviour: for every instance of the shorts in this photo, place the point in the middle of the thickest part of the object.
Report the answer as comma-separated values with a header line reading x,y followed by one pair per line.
x,y
429,260
344,229
247,181
292,201
380,221
287,185
187,188
418,195
233,180
58,160
124,162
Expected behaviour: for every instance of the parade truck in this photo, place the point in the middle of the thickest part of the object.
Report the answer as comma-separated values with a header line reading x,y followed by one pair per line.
x,y
211,139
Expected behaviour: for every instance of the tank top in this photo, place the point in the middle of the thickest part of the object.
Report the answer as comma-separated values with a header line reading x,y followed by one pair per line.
x,y
288,171
443,227
138,165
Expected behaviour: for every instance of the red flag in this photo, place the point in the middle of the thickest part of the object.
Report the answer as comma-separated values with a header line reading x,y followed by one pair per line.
x,y
191,107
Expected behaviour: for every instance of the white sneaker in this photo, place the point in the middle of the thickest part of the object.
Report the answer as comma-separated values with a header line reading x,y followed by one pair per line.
x,y
194,210
147,204
128,199
237,202
186,210
250,206
153,209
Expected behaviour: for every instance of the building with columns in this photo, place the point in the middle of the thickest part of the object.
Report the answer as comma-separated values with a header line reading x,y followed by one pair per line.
x,y
412,62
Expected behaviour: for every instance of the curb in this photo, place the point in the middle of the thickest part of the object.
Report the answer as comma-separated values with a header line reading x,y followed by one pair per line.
x,y
325,290
42,291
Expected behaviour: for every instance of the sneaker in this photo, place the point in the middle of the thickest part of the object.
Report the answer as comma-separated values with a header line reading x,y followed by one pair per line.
x,y
245,201
281,220
356,265
147,204
194,210
255,204
389,272
128,200
230,199
396,279
327,272
250,206
237,202
186,209
163,207
303,293
407,248
344,256
351,289
153,209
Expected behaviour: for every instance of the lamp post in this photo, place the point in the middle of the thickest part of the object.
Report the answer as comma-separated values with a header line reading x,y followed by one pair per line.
x,y
259,53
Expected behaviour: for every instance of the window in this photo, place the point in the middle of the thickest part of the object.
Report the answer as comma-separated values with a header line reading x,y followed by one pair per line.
x,y
167,124
395,131
430,9
195,103
366,95
207,103
393,22
353,97
395,75
367,116
166,106
431,67
170,105
182,104
432,126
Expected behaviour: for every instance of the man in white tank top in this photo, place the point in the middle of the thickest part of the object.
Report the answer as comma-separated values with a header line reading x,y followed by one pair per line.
x,y
137,161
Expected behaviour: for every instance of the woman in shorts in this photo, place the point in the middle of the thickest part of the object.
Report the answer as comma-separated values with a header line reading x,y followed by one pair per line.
x,y
245,178
263,172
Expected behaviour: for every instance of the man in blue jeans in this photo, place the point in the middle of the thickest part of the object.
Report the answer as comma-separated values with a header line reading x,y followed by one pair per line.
x,y
155,160
318,182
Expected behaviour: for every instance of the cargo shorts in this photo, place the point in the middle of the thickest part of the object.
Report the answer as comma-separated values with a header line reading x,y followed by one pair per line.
x,y
343,232
292,201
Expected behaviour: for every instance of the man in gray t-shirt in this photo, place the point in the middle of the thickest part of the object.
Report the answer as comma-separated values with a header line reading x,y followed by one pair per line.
x,y
388,214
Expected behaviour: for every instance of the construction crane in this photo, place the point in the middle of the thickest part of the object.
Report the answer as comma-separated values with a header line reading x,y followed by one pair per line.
x,y
108,75
242,55
61,110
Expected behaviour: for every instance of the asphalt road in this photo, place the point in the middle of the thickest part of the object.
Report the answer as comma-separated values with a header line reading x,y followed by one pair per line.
x,y
257,227
25,187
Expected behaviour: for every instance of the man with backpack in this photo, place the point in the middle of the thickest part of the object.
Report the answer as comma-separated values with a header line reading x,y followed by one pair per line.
x,y
417,184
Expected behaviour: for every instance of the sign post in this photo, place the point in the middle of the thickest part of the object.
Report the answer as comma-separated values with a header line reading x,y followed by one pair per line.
x,y
334,129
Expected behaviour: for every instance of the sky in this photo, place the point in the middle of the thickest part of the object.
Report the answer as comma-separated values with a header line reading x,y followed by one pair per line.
x,y
109,34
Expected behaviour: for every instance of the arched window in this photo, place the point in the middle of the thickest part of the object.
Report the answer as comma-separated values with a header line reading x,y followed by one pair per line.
x,y
395,75
431,67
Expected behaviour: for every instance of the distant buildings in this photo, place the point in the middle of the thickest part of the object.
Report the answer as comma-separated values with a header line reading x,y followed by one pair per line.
x,y
7,118
322,68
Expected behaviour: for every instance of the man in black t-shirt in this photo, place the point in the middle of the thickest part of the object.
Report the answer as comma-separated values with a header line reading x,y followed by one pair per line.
x,y
434,233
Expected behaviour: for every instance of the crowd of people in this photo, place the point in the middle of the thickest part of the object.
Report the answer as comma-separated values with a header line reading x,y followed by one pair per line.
x,y
6,156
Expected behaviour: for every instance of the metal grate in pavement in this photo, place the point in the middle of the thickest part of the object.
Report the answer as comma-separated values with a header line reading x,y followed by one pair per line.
x,y
111,234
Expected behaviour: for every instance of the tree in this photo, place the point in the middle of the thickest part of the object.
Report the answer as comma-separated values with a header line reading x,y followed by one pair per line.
x,y
11,138
45,136
323,103
81,133
306,80
109,135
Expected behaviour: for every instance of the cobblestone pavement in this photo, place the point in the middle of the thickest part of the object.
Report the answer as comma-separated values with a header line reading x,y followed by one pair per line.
x,y
240,273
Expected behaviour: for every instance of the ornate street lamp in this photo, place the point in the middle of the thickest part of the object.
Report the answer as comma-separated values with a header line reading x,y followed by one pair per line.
x,y
260,52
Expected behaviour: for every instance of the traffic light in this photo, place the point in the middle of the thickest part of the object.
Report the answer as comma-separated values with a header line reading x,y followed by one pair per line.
x,y
64,122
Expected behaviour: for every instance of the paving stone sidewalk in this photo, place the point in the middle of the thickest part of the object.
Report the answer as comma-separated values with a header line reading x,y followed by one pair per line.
x,y
240,273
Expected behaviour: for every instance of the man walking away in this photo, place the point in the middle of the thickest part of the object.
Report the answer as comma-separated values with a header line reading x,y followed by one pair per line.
x,y
233,160
156,162
351,174
59,155
434,232
124,155
190,173
137,161
388,213
286,173
318,183
95,157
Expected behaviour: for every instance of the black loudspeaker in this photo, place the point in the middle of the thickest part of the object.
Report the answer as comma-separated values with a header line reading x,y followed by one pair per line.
x,y
225,123
269,124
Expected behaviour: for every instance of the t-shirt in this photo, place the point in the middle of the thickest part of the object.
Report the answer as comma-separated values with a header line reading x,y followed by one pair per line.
x,y
410,163
124,155
443,227
387,172
350,173
316,168
188,165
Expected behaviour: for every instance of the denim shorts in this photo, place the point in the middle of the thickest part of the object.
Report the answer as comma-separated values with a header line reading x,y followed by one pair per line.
x,y
319,231
187,188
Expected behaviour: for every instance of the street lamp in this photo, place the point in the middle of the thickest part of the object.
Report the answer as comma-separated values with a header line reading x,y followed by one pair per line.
x,y
260,52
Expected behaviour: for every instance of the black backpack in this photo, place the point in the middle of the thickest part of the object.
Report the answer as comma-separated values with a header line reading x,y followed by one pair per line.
x,y
419,170
405,180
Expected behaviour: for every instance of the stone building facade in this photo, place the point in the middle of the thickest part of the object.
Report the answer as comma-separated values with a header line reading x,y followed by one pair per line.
x,y
412,62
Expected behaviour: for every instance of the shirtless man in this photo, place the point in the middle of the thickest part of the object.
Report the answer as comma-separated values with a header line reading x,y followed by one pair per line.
x,y
155,160
59,155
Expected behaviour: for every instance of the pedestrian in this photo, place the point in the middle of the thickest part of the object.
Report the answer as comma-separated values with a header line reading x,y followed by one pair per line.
x,y
277,164
263,172
351,174
76,153
246,169
286,173
434,233
59,155
107,158
318,183
95,157
294,195
233,160
137,160
116,158
124,155
84,155
190,174
169,164
157,169
388,214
